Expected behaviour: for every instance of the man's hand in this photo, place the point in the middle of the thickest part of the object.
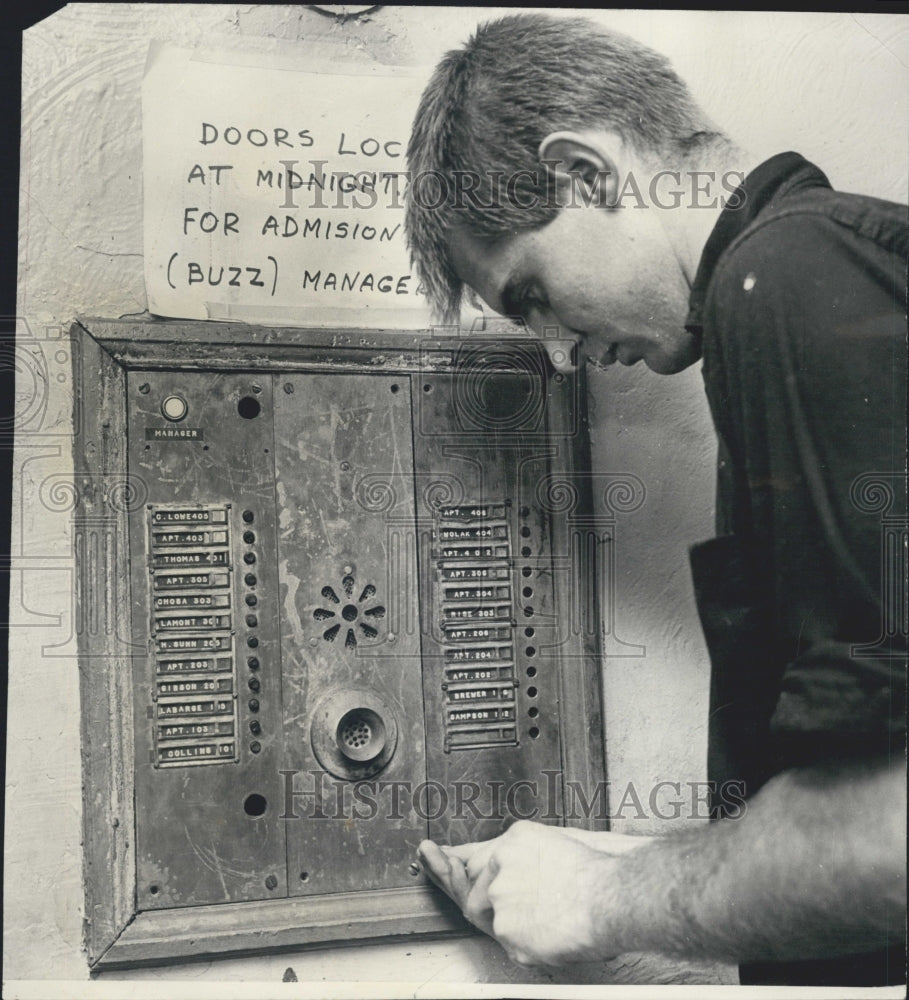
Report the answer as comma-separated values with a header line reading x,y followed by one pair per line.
x,y
798,875
535,889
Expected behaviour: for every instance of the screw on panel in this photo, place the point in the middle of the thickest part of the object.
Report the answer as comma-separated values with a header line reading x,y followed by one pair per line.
x,y
414,868
144,388
288,387
271,882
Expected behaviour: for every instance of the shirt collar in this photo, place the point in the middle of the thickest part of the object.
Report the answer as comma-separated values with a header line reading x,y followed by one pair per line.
x,y
774,177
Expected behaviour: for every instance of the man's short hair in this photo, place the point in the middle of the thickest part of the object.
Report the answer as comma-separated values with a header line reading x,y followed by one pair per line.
x,y
473,151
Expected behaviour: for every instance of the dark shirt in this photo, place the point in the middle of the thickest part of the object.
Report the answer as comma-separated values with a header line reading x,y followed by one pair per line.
x,y
800,300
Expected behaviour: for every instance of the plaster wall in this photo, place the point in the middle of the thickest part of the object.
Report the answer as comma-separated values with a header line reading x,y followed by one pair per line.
x,y
832,86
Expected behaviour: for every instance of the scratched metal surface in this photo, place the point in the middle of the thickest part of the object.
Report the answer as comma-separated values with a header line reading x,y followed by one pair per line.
x,y
344,544
488,435
195,841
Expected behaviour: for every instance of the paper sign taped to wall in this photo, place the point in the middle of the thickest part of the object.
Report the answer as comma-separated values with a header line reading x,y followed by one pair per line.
x,y
275,194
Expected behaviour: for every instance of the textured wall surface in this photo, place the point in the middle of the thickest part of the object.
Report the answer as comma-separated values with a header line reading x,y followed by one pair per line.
x,y
832,86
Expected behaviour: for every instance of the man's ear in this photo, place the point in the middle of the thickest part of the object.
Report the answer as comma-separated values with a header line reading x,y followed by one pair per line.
x,y
585,166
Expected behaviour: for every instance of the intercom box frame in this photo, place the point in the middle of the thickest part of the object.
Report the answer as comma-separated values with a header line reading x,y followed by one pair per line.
x,y
116,933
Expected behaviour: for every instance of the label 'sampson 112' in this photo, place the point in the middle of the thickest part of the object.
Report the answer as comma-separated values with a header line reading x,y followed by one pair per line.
x,y
474,595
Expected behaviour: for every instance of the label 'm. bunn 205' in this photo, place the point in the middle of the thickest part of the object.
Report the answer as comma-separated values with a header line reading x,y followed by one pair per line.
x,y
195,696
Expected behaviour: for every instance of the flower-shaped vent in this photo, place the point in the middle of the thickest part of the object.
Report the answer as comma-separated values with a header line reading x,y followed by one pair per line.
x,y
354,612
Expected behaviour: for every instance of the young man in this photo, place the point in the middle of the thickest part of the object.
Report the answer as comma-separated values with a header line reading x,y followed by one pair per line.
x,y
566,176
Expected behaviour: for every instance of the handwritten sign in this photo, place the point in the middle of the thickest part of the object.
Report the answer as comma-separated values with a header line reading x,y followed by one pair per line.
x,y
276,195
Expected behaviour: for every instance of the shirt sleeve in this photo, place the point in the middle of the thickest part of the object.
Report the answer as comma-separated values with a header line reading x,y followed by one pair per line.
x,y
805,367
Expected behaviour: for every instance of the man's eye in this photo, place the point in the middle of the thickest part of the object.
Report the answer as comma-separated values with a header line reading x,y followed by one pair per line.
x,y
524,301
533,302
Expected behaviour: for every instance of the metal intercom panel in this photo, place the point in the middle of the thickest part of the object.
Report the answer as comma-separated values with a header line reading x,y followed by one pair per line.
x,y
349,618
